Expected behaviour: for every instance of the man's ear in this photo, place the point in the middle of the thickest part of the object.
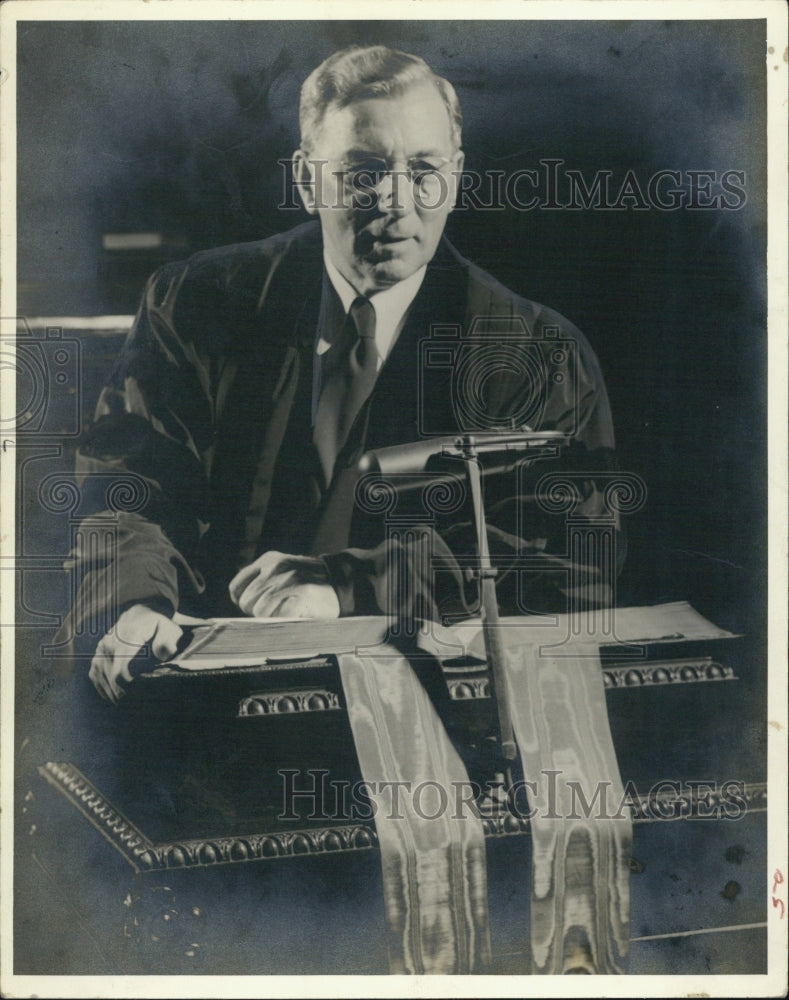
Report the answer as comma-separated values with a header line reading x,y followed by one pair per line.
x,y
304,176
457,169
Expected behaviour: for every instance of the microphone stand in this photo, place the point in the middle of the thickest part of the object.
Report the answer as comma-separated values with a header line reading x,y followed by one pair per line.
x,y
405,460
486,574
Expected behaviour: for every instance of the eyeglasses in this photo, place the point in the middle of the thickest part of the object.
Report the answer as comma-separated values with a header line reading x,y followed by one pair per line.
x,y
424,173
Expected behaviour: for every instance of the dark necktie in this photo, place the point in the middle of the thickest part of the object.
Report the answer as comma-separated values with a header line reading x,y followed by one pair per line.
x,y
350,371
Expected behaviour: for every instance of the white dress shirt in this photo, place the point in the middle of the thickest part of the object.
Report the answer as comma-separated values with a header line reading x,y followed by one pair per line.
x,y
391,307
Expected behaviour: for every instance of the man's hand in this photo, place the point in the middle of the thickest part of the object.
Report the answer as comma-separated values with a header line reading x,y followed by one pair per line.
x,y
281,586
134,628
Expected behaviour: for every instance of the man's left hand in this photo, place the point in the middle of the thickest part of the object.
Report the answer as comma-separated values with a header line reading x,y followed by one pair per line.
x,y
277,585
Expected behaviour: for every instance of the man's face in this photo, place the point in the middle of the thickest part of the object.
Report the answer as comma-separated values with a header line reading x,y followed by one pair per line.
x,y
379,229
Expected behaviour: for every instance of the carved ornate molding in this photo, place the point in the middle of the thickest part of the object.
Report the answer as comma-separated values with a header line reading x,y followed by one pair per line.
x,y
144,855
500,820
686,671
698,670
257,847
469,687
464,684
289,702
120,832
731,800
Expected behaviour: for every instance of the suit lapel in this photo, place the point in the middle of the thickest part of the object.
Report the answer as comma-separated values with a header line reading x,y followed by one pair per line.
x,y
402,407
410,401
285,475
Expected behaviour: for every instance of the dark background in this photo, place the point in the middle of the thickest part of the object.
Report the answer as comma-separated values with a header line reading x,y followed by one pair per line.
x,y
177,128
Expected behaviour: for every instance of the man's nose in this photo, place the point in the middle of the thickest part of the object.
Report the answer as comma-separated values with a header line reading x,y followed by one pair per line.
x,y
396,193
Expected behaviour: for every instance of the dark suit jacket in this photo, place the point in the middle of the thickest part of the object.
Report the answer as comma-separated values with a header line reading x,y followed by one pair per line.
x,y
209,403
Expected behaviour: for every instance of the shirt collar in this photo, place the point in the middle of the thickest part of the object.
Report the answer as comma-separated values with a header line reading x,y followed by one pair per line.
x,y
390,305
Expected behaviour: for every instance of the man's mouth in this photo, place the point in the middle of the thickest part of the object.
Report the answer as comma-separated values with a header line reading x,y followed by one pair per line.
x,y
383,245
387,238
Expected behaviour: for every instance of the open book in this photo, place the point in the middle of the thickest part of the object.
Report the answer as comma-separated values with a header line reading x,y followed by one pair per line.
x,y
239,642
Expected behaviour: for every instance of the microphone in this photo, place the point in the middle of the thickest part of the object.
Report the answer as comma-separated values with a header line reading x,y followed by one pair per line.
x,y
408,464
502,450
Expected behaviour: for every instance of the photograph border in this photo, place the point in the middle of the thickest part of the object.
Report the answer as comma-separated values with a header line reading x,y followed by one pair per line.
x,y
774,11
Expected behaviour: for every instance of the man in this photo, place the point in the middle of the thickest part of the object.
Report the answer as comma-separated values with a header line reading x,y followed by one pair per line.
x,y
256,375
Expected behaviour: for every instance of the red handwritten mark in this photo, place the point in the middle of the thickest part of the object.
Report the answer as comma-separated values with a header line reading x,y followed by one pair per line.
x,y
778,880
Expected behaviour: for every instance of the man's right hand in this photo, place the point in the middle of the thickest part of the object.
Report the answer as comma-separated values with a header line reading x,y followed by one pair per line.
x,y
135,628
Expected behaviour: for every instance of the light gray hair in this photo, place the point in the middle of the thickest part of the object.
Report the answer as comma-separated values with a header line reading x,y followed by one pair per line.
x,y
356,73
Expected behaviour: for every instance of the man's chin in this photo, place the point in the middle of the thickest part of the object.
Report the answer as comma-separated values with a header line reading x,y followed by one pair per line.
x,y
389,269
